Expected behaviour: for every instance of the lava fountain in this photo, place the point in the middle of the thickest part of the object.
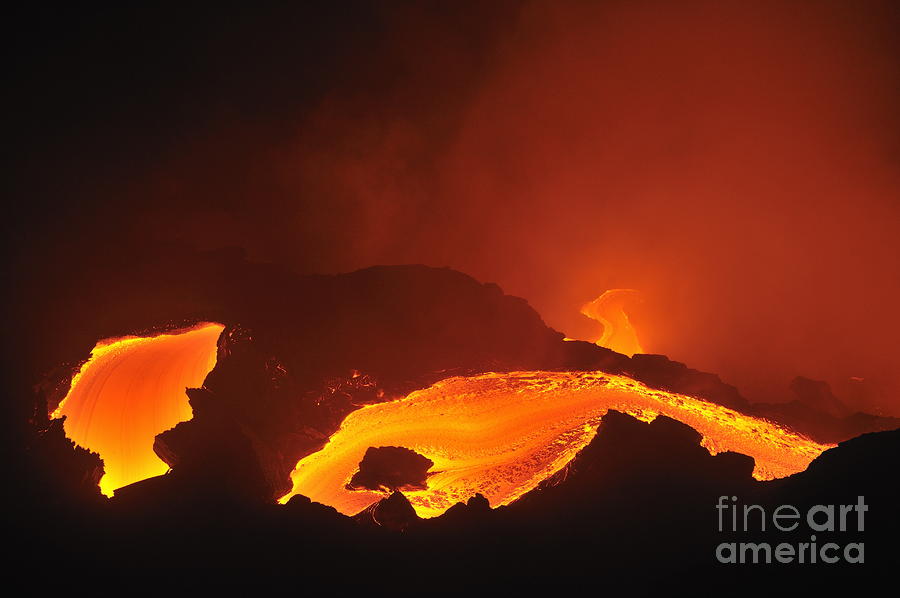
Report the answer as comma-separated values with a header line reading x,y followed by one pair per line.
x,y
130,390
501,434
609,309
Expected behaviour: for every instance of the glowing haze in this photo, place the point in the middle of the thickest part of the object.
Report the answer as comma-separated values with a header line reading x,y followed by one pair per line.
x,y
130,390
502,434
736,161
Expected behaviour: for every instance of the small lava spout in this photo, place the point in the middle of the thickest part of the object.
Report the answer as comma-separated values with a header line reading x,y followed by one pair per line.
x,y
618,333
130,390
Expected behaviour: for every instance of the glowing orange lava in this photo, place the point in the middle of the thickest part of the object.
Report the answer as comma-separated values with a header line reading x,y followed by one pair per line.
x,y
618,333
130,390
502,434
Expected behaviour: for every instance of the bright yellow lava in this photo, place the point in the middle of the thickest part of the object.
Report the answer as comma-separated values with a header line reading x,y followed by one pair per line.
x,y
618,333
502,434
130,390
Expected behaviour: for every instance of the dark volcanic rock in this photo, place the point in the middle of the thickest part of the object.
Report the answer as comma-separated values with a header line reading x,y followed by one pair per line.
x,y
473,512
817,395
391,468
819,414
478,504
393,513
630,456
635,509
64,470
658,371
865,423
211,454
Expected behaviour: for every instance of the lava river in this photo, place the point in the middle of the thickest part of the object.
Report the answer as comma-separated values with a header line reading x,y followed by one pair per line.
x,y
502,434
130,390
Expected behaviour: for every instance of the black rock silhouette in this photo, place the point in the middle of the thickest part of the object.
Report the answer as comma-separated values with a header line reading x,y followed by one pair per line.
x,y
391,468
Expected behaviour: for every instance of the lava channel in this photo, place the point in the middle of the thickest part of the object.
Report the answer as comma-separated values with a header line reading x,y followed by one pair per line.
x,y
502,434
130,390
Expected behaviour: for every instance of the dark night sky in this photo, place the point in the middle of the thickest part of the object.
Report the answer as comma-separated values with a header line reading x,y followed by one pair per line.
x,y
738,162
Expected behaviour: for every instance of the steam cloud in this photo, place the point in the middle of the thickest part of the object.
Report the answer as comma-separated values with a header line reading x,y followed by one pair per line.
x,y
736,162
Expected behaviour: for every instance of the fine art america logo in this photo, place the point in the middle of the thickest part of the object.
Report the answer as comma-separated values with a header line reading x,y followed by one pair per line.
x,y
753,519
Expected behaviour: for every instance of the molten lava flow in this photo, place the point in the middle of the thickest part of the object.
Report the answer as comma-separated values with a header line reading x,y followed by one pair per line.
x,y
502,434
618,333
130,390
